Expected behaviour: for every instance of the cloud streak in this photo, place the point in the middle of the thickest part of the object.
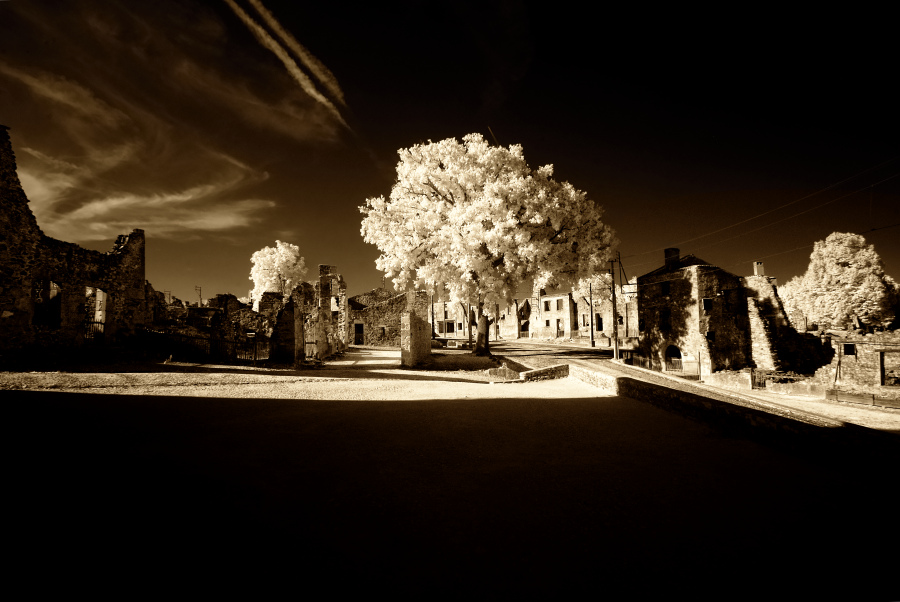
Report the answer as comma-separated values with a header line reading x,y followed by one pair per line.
x,y
319,71
293,69
186,213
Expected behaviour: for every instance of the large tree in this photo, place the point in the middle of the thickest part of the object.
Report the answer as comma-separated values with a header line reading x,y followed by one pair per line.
x,y
276,269
475,221
845,278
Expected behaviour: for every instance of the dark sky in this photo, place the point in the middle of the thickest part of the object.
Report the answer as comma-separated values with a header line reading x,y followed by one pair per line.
x,y
173,117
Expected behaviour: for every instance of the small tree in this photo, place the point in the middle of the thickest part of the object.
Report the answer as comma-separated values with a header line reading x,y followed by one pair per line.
x,y
845,278
476,221
276,269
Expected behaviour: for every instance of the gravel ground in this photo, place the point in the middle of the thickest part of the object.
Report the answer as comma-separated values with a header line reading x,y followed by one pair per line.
x,y
361,373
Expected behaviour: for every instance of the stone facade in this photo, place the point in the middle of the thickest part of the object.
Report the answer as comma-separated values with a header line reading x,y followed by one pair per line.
x,y
691,312
515,320
57,294
555,315
374,317
449,320
313,323
693,316
627,315
867,362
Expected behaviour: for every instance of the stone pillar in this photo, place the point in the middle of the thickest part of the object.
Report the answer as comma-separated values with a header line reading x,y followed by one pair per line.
x,y
415,331
303,297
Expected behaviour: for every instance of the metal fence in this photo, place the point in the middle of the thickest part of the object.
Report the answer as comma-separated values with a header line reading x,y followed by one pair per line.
x,y
95,333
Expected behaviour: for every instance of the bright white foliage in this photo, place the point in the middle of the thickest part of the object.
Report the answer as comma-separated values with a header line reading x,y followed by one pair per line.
x,y
276,269
845,277
475,220
598,287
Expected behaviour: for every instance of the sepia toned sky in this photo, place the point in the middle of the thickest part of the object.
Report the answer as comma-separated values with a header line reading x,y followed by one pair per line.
x,y
219,126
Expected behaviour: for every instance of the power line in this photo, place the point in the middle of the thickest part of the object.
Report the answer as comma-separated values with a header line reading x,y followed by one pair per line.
x,y
829,187
800,213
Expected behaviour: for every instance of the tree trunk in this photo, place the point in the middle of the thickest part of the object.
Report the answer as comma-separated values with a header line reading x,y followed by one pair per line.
x,y
482,343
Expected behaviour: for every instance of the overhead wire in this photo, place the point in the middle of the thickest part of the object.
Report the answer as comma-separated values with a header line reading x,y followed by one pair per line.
x,y
744,221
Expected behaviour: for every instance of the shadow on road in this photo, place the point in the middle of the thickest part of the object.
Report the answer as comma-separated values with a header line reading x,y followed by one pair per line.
x,y
500,496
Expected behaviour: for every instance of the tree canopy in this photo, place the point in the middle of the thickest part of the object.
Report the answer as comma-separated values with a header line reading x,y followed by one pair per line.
x,y
845,278
475,221
276,269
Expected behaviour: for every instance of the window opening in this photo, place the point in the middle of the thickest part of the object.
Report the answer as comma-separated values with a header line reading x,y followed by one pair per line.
x,y
47,303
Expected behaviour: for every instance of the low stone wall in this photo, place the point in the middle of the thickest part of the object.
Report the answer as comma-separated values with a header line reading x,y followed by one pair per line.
x,y
601,380
799,430
802,388
559,371
738,381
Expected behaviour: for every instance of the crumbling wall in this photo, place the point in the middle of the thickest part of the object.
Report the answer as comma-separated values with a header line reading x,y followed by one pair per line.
x,y
555,316
312,324
379,322
45,283
860,360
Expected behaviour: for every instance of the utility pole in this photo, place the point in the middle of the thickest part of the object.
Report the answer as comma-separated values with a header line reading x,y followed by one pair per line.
x,y
591,310
612,273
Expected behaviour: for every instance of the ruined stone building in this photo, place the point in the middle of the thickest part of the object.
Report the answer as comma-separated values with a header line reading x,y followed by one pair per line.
x,y
692,314
514,322
55,293
313,324
865,362
455,320
374,318
558,314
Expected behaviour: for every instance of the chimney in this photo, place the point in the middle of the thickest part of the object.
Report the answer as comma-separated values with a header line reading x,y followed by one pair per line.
x,y
758,269
671,258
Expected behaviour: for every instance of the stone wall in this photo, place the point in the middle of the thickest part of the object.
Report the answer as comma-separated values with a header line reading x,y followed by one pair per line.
x,y
553,316
48,288
860,361
379,322
725,321
313,322
451,321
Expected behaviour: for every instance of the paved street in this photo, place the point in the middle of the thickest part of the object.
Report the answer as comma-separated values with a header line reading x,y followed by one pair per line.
x,y
482,497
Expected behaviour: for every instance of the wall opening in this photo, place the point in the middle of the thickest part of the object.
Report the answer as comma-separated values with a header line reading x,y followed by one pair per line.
x,y
673,358
47,303
95,307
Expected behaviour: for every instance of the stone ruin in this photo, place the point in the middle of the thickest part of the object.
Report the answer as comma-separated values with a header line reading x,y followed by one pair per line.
x,y
312,325
55,294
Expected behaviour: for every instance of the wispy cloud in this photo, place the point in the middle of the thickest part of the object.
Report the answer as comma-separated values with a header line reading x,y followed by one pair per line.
x,y
140,121
73,96
184,213
293,69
